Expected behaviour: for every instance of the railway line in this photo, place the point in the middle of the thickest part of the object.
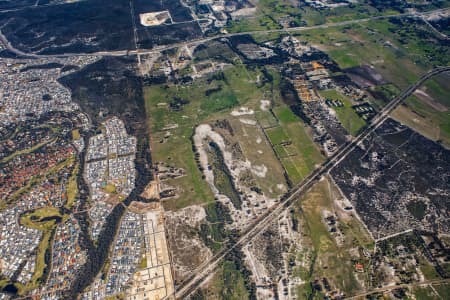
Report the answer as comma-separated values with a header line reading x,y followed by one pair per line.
x,y
192,283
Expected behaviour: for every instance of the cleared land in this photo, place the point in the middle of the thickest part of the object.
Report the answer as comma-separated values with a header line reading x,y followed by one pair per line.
x,y
425,114
154,279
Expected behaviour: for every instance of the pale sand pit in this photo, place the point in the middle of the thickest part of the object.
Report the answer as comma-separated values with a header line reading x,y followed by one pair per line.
x,y
155,280
151,191
281,187
242,111
154,18
248,122
235,166
259,171
265,105
202,132
253,203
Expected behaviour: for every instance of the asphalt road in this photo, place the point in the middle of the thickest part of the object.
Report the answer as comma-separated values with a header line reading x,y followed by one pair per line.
x,y
192,283
132,52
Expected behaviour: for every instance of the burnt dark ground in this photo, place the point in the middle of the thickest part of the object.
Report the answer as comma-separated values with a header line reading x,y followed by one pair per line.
x,y
93,25
8,4
22,4
364,76
149,37
85,26
394,171
178,12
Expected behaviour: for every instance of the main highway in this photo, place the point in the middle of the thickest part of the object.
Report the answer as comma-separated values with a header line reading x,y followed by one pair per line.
x,y
155,50
190,285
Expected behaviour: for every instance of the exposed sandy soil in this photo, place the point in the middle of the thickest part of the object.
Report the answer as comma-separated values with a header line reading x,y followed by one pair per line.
x,y
242,111
187,250
151,190
239,167
422,95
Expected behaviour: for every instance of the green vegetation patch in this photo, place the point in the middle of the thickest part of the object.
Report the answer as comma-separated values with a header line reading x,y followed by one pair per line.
x,y
213,232
219,100
400,50
286,115
339,262
295,148
110,188
429,115
277,135
46,220
346,114
425,293
222,176
143,262
72,187
417,209
437,119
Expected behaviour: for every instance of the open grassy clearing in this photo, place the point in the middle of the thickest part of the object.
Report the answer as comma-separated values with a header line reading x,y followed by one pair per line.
x,y
26,151
438,88
346,114
44,219
443,289
266,119
426,293
207,99
72,187
330,260
428,270
442,119
400,51
423,116
258,150
269,13
143,262
297,152
39,219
